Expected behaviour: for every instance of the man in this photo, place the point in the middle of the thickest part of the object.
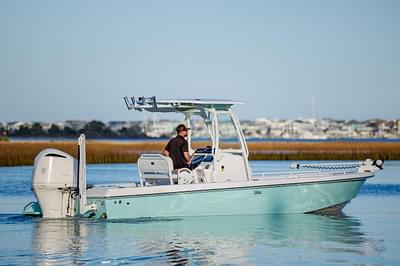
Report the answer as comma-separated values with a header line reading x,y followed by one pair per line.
x,y
177,148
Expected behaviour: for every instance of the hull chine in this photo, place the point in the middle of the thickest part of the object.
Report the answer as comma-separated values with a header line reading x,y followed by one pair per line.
x,y
332,210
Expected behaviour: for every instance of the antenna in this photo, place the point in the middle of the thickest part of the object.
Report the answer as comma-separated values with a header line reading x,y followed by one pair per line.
x,y
313,108
145,123
155,121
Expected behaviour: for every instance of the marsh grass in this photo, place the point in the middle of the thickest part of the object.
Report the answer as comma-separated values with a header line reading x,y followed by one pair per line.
x,y
23,153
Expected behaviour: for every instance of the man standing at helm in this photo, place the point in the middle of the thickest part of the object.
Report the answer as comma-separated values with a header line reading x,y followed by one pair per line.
x,y
177,148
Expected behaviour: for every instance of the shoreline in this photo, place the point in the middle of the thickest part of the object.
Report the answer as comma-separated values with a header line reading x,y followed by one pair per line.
x,y
23,153
248,140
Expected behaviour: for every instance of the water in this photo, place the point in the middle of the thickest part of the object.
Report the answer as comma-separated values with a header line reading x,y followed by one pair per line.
x,y
367,233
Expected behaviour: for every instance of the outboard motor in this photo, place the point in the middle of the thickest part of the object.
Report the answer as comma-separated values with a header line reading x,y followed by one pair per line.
x,y
59,184
54,182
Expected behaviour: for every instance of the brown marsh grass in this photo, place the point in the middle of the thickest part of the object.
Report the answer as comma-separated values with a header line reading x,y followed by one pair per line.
x,y
23,153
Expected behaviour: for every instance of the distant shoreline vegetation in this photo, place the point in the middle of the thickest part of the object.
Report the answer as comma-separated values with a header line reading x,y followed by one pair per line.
x,y
23,153
263,129
153,139
93,129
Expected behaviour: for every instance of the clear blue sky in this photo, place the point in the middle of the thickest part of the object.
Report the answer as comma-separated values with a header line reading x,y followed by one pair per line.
x,y
77,59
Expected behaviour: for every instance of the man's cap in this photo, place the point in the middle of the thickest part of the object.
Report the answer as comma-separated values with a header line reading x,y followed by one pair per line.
x,y
181,127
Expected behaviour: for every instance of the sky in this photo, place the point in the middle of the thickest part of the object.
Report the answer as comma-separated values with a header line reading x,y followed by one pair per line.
x,y
64,60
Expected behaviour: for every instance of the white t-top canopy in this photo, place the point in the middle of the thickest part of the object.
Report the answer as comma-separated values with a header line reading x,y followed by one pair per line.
x,y
152,104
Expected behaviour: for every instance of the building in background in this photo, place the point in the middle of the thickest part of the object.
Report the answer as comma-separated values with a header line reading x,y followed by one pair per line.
x,y
261,128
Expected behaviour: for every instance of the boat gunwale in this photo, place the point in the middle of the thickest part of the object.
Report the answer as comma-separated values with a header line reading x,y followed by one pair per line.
x,y
115,192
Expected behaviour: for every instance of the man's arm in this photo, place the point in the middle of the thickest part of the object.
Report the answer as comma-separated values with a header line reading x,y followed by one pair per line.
x,y
187,157
166,150
186,153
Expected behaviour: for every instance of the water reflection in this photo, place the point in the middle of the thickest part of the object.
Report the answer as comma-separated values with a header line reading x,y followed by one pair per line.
x,y
63,240
204,240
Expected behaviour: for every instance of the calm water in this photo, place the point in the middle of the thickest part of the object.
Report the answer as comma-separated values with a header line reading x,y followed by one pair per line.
x,y
367,233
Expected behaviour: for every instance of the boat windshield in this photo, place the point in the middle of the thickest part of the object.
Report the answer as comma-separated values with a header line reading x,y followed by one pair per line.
x,y
200,130
228,138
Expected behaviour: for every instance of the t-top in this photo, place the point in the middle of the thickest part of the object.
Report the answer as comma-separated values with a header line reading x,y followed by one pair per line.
x,y
176,147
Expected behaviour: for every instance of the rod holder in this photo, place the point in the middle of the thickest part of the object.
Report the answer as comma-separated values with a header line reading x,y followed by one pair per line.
x,y
141,102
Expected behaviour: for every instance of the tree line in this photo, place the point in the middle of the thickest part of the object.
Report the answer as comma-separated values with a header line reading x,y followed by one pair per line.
x,y
93,129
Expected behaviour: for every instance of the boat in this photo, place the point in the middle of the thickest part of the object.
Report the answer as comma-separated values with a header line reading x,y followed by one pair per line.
x,y
220,180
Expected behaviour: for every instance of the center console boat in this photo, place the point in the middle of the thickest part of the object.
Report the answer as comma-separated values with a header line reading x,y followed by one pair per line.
x,y
220,181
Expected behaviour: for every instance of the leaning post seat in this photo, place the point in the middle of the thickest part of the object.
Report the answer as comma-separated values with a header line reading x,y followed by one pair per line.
x,y
155,168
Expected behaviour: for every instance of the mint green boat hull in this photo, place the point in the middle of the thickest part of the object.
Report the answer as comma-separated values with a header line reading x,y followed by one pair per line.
x,y
293,198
